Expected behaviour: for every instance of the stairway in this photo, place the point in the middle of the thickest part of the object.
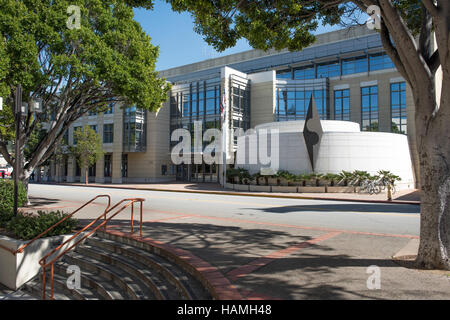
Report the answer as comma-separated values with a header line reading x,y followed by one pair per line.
x,y
116,268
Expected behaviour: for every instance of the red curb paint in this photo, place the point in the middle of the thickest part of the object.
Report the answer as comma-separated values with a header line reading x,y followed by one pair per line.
x,y
171,218
221,287
261,262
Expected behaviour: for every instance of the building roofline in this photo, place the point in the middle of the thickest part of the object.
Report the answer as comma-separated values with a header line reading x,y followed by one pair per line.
x,y
248,55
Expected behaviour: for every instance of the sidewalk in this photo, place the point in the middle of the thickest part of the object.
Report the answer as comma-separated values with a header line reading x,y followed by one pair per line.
x,y
410,196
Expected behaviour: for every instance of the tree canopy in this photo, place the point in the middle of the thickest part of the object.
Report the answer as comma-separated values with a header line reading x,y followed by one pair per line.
x,y
109,59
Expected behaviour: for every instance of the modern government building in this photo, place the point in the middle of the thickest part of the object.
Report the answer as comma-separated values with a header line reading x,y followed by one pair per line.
x,y
349,75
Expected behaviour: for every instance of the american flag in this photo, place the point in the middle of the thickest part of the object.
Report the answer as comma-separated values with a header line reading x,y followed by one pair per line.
x,y
222,106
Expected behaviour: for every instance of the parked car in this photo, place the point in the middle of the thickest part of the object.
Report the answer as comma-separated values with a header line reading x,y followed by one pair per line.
x,y
5,171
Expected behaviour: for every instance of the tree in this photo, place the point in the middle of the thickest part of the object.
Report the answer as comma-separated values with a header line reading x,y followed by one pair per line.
x,y
407,30
88,148
108,59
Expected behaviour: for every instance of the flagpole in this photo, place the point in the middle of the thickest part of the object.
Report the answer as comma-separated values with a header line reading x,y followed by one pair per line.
x,y
224,137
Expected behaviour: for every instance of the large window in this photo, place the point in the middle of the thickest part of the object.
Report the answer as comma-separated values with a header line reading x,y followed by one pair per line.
x,y
328,69
293,103
74,136
108,133
354,65
380,61
398,107
336,68
93,127
304,73
342,104
108,165
369,108
284,74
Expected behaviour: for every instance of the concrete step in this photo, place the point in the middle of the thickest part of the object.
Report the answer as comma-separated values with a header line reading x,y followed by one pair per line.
x,y
34,288
124,286
186,285
151,256
98,287
113,268
152,283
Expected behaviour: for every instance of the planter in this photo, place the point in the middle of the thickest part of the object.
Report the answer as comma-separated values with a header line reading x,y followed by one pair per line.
x,y
241,187
309,189
283,189
229,186
340,189
260,188
262,182
15,270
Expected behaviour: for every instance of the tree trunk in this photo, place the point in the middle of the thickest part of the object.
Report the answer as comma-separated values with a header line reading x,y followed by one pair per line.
x,y
434,153
86,172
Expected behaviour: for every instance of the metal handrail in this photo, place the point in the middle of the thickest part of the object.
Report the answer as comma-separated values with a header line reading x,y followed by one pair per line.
x,y
44,264
20,250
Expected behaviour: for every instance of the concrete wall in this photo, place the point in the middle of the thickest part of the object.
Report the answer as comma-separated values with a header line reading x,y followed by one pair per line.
x,y
262,98
15,270
345,149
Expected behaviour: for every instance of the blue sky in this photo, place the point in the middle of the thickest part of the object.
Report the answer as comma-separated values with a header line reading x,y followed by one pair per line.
x,y
177,41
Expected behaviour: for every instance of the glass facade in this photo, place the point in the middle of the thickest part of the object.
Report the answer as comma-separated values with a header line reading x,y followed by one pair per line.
x,y
328,69
134,129
336,68
398,107
305,73
380,61
292,100
108,133
342,104
369,108
354,65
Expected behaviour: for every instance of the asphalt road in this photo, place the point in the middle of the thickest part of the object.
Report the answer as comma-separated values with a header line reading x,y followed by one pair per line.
x,y
342,215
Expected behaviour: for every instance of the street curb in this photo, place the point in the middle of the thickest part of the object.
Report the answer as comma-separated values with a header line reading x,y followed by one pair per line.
x,y
216,283
246,194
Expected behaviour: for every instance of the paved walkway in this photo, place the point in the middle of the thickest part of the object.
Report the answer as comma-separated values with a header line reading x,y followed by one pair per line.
x,y
263,259
409,196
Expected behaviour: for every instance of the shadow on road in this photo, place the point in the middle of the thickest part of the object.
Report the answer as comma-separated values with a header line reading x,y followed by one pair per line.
x,y
343,207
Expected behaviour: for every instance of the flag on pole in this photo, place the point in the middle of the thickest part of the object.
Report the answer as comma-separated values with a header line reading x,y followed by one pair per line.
x,y
223,117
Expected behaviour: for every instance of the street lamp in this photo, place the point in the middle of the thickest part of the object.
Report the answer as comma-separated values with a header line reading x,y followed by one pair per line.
x,y
20,109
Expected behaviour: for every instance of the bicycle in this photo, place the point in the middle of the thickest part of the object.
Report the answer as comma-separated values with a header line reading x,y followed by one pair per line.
x,y
371,186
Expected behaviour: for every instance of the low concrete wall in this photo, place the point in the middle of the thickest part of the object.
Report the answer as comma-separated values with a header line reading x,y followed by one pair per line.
x,y
348,189
284,189
15,270
260,188
242,187
311,189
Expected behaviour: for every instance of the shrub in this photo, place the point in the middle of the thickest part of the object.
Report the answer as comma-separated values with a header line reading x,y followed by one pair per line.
x,y
7,196
27,226
5,217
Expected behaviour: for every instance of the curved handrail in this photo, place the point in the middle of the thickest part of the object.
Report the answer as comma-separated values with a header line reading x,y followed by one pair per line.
x,y
44,264
20,250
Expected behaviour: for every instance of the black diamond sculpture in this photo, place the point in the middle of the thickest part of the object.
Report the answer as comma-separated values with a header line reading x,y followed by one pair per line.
x,y
312,132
